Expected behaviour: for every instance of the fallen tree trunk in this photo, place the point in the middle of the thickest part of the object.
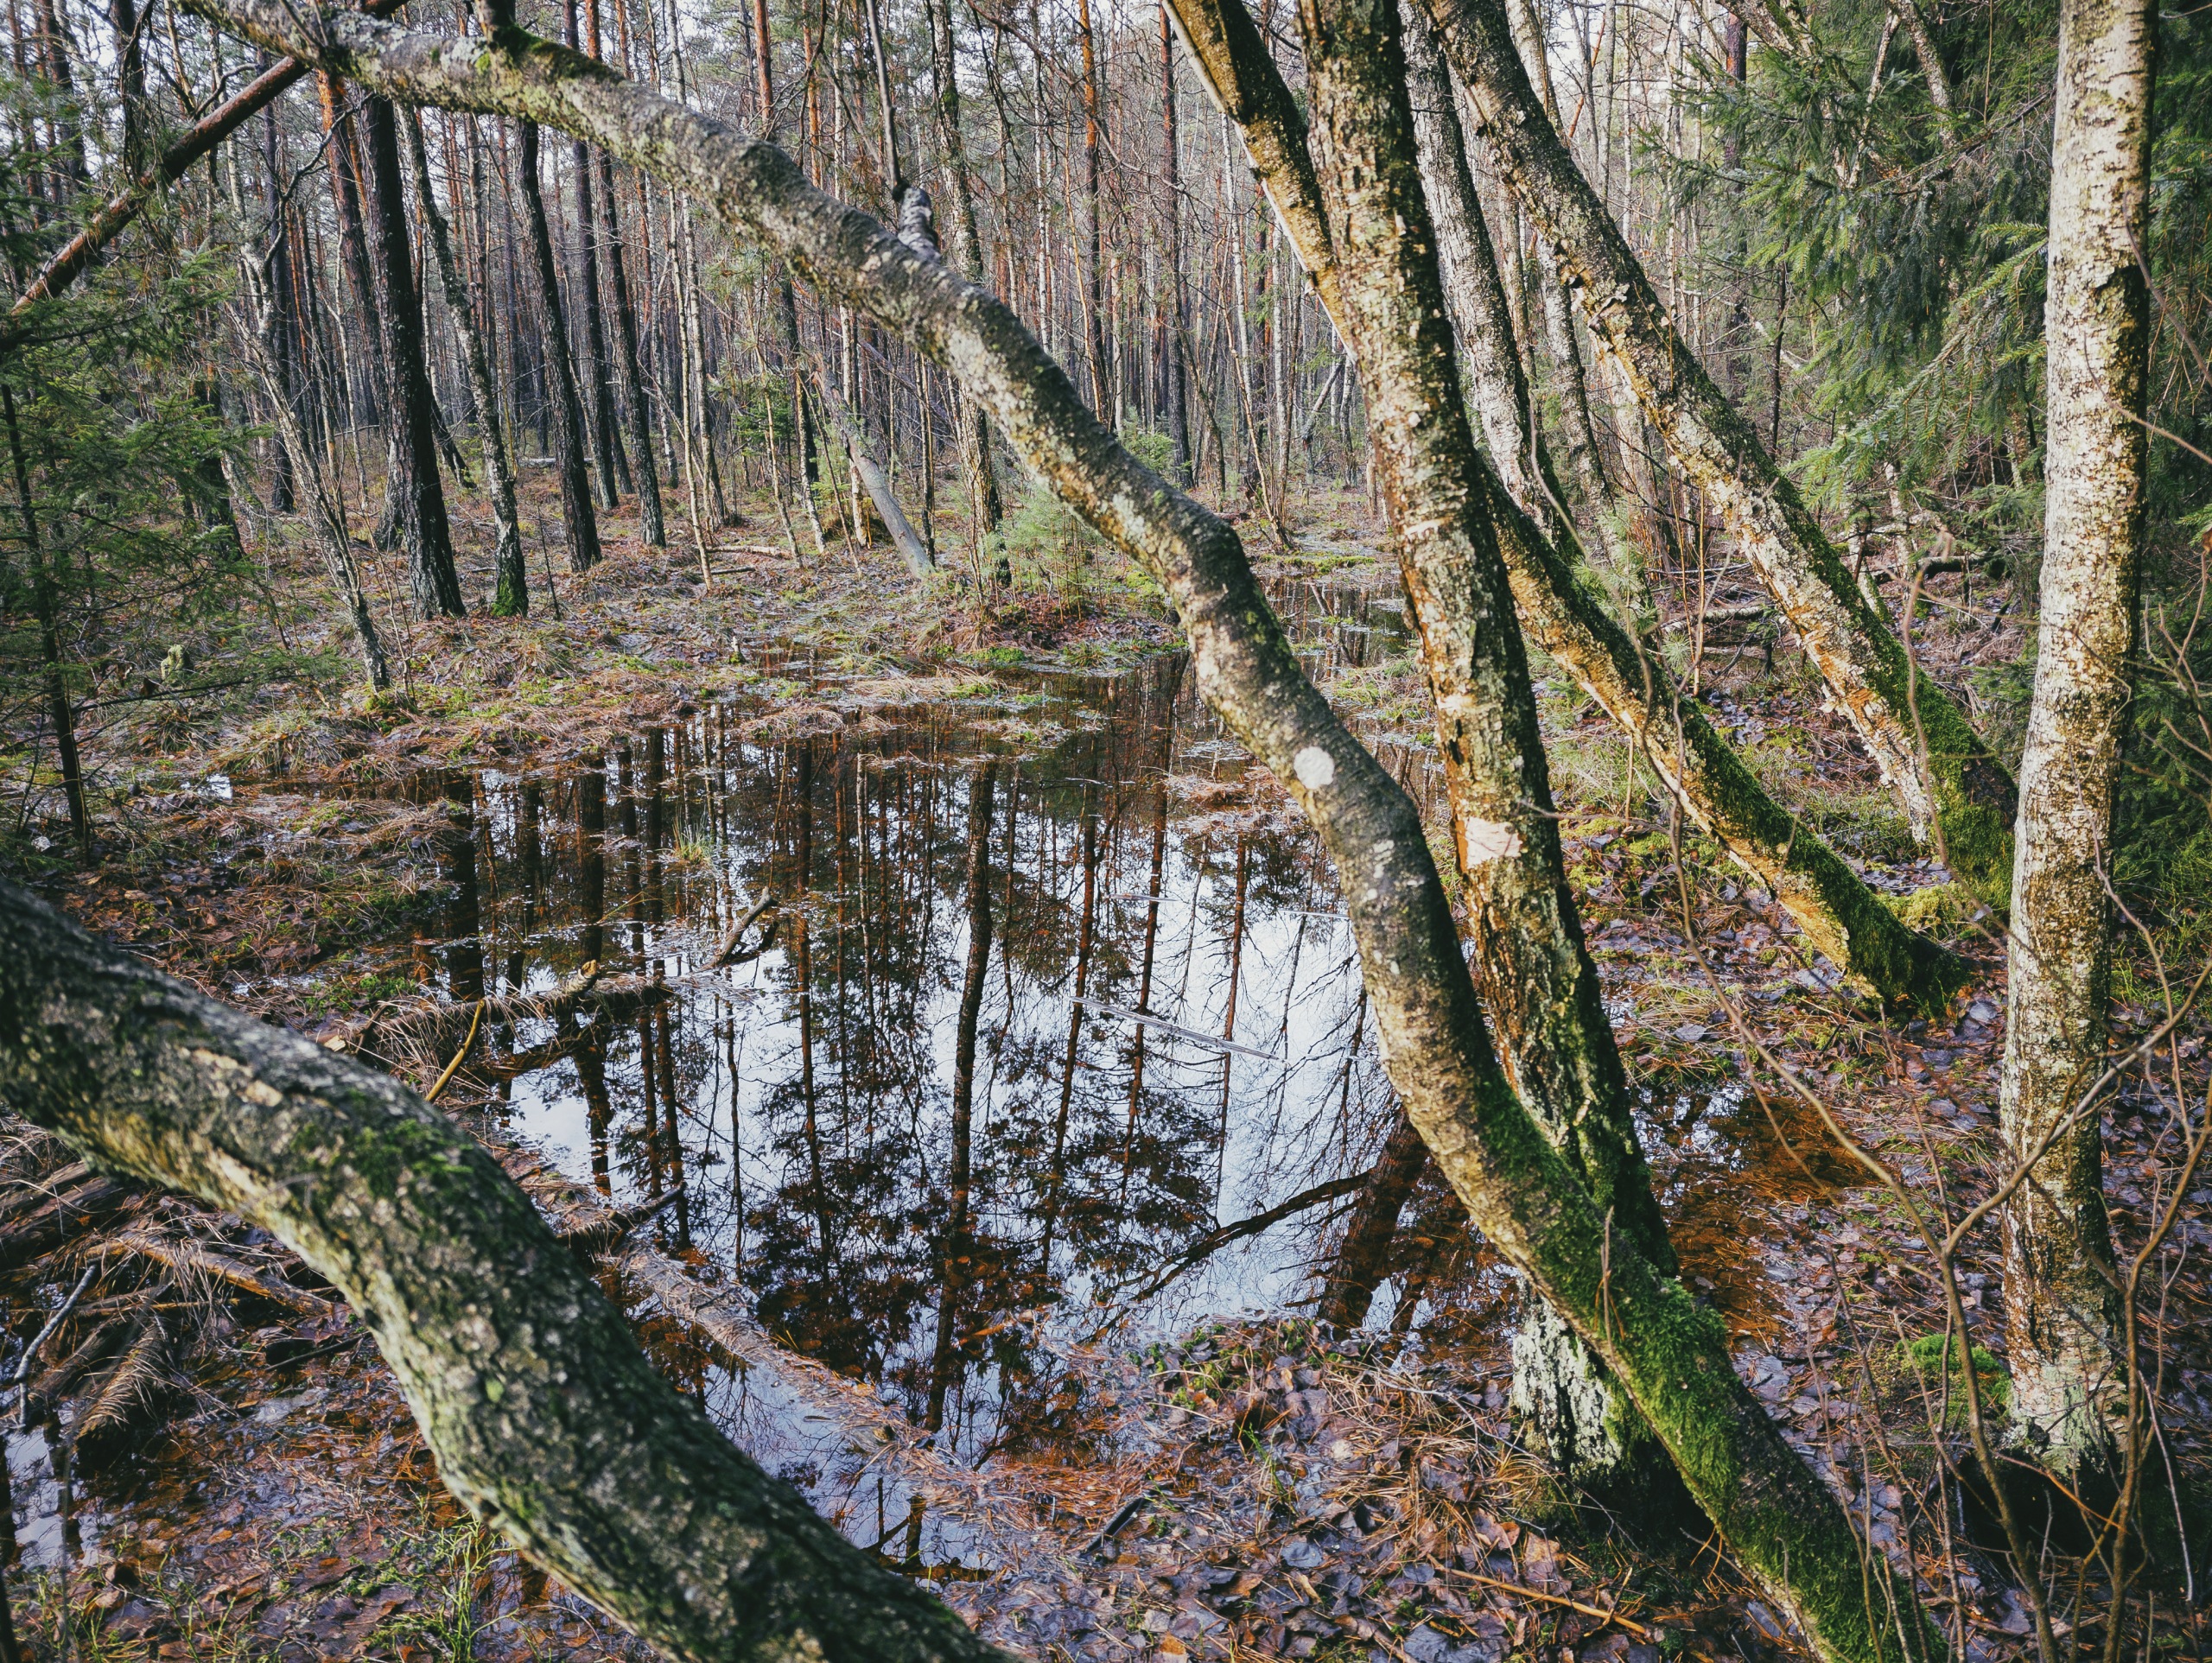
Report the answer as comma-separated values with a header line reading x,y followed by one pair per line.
x,y
546,1419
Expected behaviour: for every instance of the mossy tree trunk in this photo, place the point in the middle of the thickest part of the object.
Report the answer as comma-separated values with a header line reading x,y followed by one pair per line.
x,y
1954,791
547,1419
1538,984
1789,1531
1839,913
2062,1317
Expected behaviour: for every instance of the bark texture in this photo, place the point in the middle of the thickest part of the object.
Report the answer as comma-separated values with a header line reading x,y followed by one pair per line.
x,y
1789,1531
1839,913
416,494
2060,1303
546,1419
1952,787
570,438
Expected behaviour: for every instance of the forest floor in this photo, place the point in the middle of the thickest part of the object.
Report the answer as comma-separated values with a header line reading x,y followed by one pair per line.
x,y
1255,1489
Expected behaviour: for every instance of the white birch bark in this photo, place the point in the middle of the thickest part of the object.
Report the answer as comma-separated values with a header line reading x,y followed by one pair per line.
x,y
2060,1306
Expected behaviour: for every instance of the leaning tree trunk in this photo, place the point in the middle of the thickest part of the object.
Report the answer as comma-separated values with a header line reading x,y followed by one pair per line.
x,y
511,593
1789,1531
2062,1319
571,437
415,488
1483,318
1839,913
1626,571
545,1416
1536,979
1954,789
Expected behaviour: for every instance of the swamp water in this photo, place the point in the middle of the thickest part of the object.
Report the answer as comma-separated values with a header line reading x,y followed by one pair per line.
x,y
934,1157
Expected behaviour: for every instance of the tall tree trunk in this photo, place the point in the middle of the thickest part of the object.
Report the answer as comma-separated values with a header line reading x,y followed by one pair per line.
x,y
570,434
48,604
131,83
511,596
345,191
1482,317
1625,569
270,307
986,507
431,578
595,366
641,477
1094,275
1955,790
285,345
1174,389
651,517
2063,1321
783,317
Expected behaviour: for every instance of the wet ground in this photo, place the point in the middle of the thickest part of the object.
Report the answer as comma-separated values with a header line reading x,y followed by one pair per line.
x,y
964,1030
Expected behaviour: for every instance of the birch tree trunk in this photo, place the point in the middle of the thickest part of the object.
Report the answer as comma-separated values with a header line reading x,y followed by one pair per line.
x,y
1839,913
1625,569
1954,790
1536,976
2060,1308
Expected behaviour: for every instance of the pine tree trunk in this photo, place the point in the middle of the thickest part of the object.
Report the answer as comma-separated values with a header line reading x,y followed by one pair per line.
x,y
510,597
287,341
569,435
431,577
610,464
1174,389
2063,1322
59,709
651,517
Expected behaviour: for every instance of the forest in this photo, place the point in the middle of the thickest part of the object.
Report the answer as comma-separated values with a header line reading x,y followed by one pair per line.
x,y
937,829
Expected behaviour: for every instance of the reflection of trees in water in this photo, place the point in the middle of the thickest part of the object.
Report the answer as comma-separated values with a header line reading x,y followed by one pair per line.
x,y
1093,1144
